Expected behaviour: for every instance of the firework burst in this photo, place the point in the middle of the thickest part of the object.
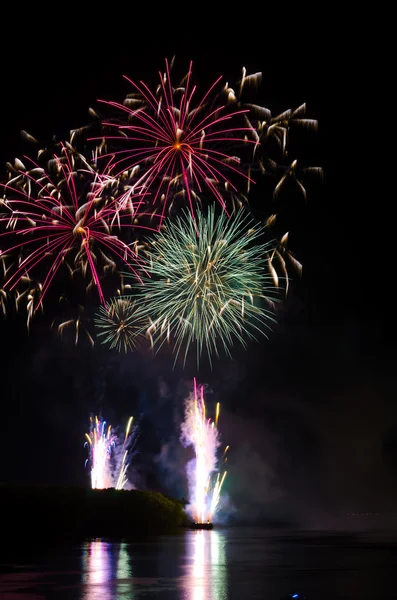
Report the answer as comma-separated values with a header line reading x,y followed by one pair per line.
x,y
180,147
204,475
120,323
211,283
59,216
109,455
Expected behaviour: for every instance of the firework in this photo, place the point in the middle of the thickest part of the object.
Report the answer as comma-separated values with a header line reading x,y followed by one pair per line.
x,y
62,215
274,145
109,457
3,302
76,321
179,147
120,322
211,283
204,477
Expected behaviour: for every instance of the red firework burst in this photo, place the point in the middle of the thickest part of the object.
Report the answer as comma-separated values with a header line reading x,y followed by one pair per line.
x,y
176,147
64,214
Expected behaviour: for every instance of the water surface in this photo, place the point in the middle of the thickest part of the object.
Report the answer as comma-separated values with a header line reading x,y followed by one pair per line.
x,y
224,564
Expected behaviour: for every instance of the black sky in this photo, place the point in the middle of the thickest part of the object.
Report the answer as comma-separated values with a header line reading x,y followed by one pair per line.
x,y
310,413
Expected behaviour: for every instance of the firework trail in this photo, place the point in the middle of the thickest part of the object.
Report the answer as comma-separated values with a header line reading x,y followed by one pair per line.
x,y
204,477
109,456
180,147
212,283
77,322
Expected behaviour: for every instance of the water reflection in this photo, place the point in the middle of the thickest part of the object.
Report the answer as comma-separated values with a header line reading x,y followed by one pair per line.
x,y
218,562
124,573
106,571
207,565
124,570
206,568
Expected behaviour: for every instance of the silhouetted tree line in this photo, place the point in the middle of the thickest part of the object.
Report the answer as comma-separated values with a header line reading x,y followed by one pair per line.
x,y
70,512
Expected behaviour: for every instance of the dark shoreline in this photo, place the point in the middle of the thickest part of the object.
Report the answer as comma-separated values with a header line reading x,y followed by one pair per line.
x,y
67,513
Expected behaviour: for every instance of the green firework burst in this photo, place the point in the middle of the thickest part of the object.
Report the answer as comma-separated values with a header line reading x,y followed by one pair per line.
x,y
120,323
210,284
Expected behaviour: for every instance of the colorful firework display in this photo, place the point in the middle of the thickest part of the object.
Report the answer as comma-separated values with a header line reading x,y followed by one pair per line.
x,y
160,195
109,455
72,220
205,478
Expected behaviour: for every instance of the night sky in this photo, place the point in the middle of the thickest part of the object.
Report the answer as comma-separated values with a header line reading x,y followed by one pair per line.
x,y
310,413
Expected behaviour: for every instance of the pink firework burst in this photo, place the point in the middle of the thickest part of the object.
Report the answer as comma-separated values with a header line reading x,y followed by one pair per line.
x,y
64,215
177,147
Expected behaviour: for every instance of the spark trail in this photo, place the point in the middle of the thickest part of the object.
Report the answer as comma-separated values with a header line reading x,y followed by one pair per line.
x,y
109,457
204,475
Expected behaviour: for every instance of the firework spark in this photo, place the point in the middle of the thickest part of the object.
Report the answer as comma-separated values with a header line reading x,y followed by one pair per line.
x,y
109,458
178,147
211,283
120,323
204,477
76,321
59,216
274,142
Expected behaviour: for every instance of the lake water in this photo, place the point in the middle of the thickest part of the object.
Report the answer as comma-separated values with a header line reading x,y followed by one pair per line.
x,y
224,564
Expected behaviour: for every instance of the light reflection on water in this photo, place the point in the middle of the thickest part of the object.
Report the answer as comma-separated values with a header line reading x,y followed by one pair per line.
x,y
205,577
107,570
206,565
104,566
